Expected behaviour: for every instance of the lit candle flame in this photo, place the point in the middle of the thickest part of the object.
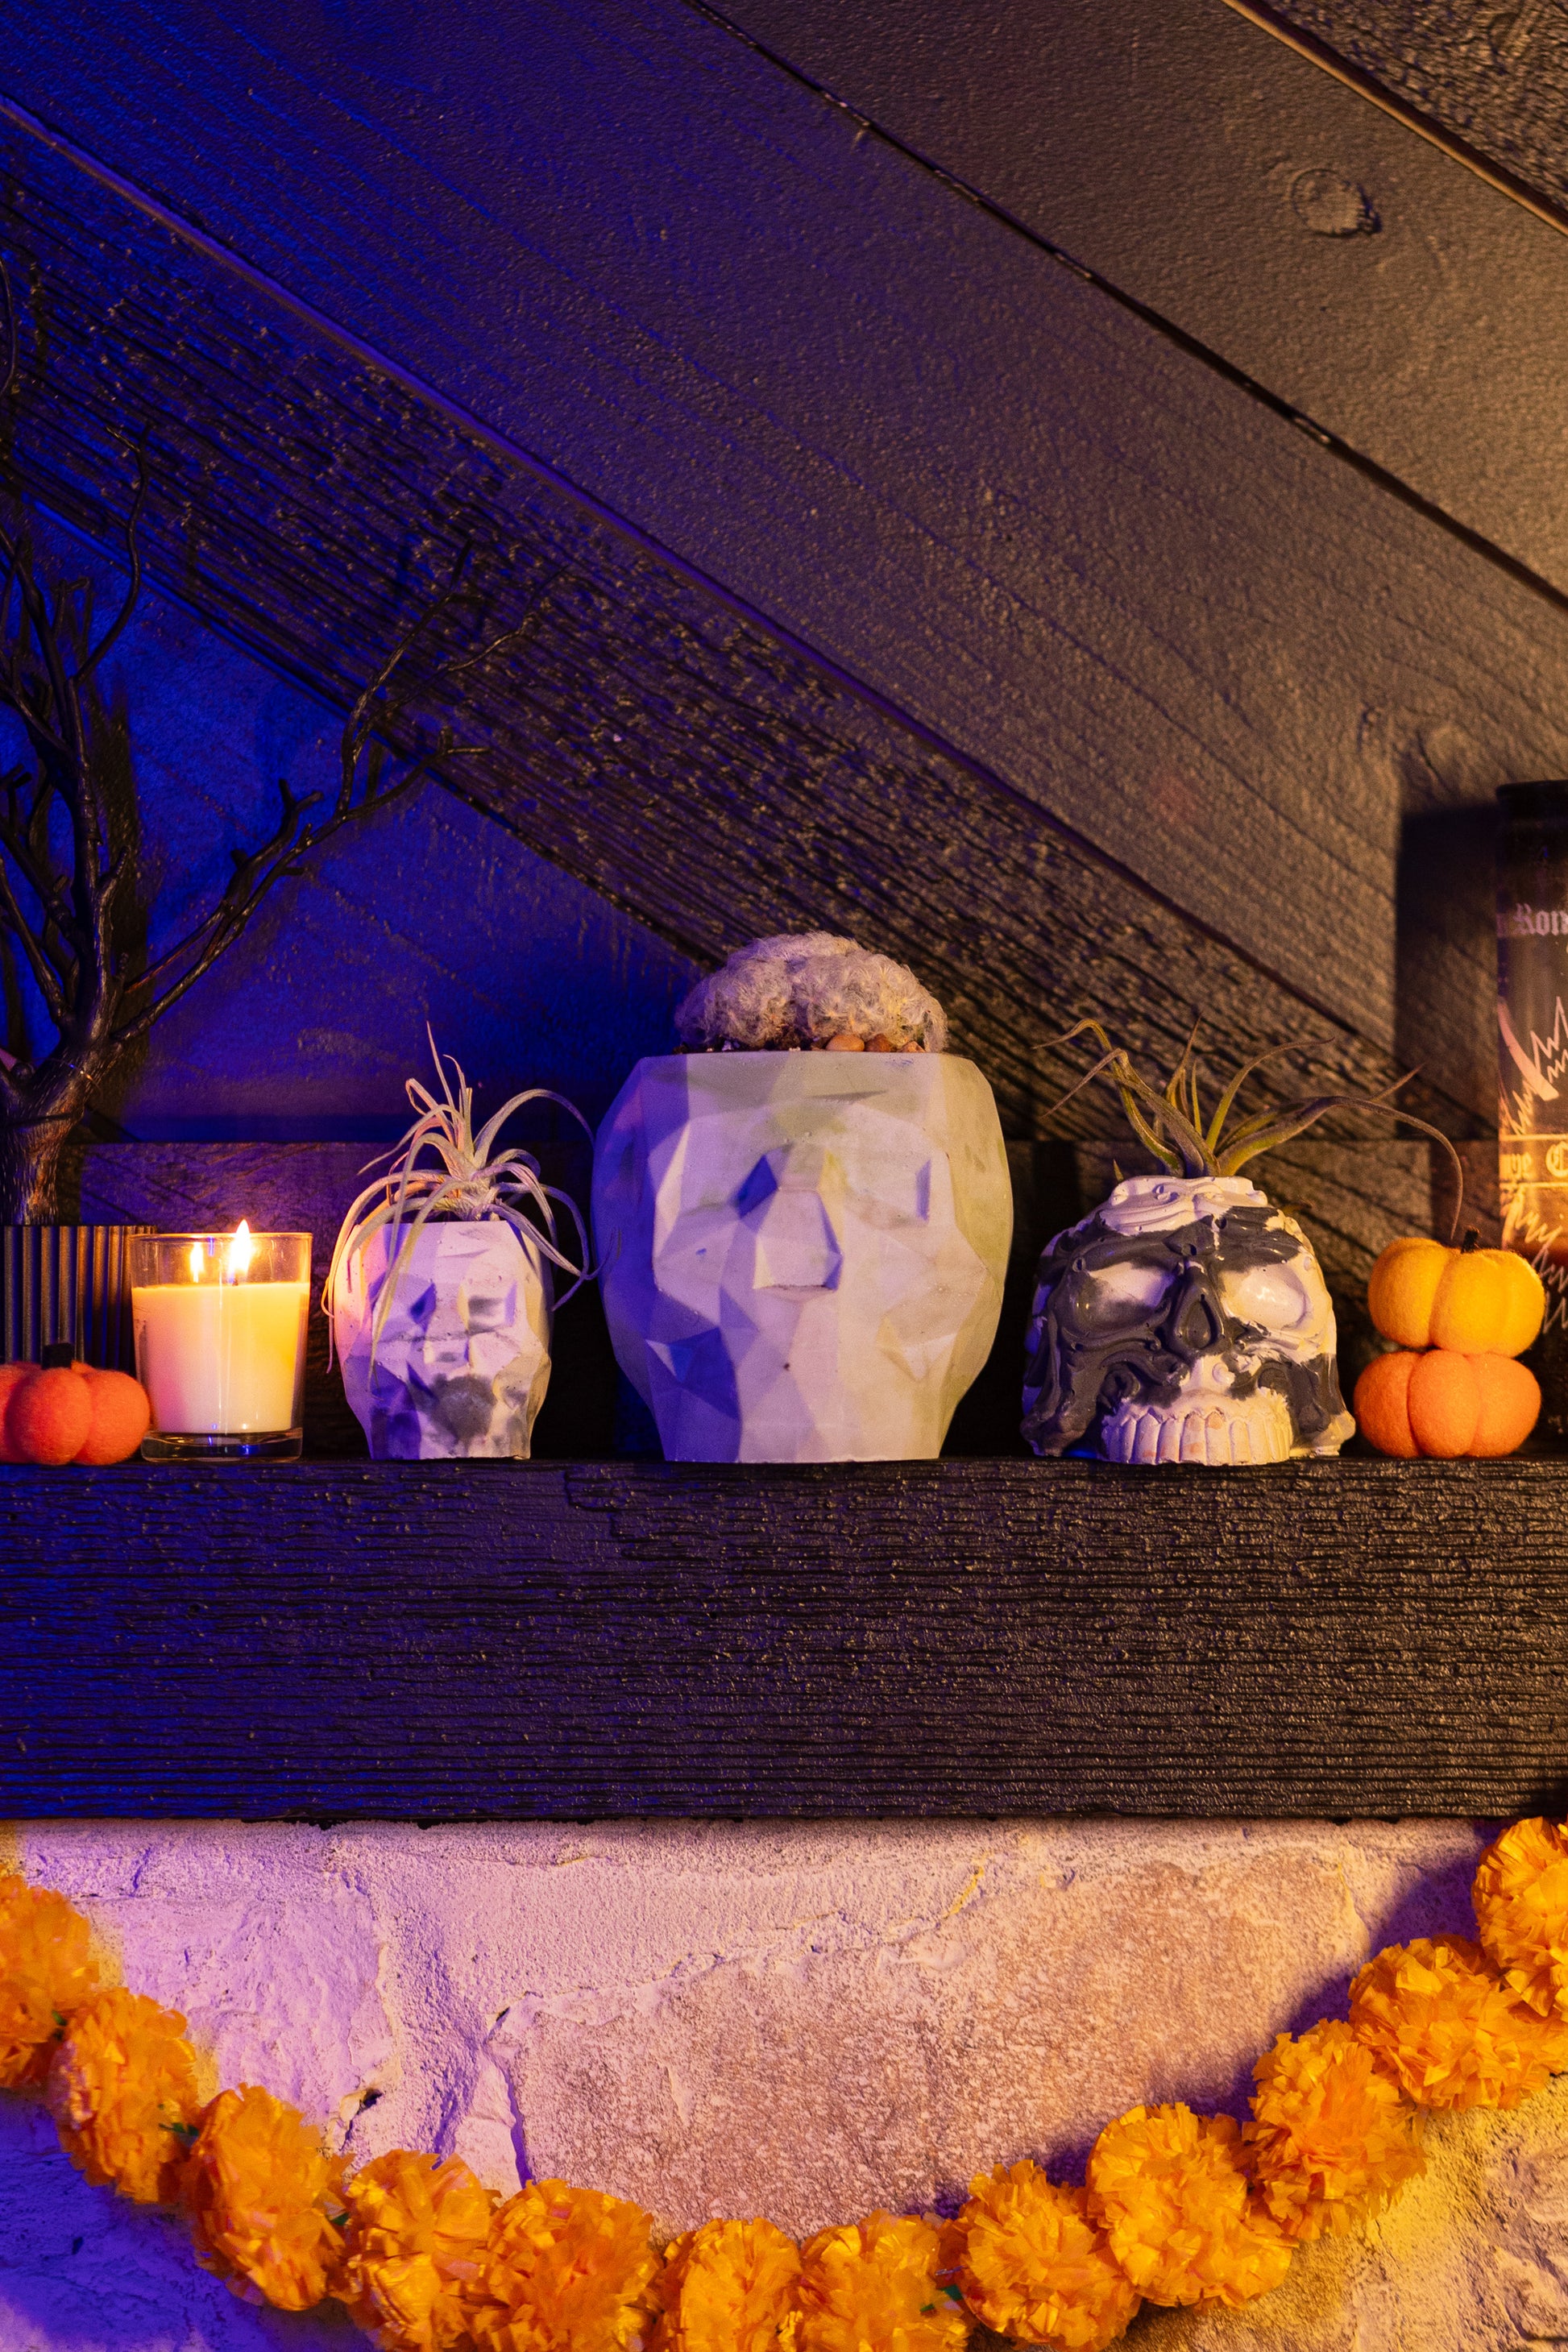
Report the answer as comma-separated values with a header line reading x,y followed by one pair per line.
x,y
196,1260
240,1251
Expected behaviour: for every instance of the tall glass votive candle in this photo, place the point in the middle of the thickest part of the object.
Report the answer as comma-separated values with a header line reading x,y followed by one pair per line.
x,y
219,1320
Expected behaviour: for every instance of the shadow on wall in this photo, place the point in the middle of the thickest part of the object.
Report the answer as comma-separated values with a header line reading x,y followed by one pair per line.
x,y
1445,927
85,2268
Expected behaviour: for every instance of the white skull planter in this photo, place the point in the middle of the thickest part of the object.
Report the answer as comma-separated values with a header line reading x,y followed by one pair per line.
x,y
802,1253
1186,1320
462,1362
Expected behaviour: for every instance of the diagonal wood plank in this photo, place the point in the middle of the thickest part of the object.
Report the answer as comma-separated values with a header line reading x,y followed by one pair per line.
x,y
1488,76
881,418
1218,177
646,738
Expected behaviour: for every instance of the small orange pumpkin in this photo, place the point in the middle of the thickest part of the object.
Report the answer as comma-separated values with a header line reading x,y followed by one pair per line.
x,y
1443,1403
1480,1301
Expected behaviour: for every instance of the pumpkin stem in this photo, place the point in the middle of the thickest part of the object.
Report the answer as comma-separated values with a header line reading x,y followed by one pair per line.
x,y
1472,1240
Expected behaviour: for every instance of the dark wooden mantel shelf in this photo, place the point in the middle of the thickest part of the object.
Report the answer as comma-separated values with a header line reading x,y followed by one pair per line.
x,y
449,1641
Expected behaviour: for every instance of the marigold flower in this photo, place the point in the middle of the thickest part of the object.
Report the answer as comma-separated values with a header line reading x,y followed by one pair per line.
x,y
417,2228
1331,2137
46,1971
564,2270
259,2188
728,2286
873,2287
1032,2264
122,2089
1172,2191
1432,2014
1520,1895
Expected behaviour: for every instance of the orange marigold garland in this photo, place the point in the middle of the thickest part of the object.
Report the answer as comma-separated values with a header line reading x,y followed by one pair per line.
x,y
1521,1911
1331,2137
259,2188
1172,2191
564,2270
1447,2029
873,2287
729,2286
427,2264
46,1971
122,2088
414,2237
1032,2264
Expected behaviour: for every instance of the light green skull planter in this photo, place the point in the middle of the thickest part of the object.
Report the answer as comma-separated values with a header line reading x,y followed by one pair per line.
x,y
803,1222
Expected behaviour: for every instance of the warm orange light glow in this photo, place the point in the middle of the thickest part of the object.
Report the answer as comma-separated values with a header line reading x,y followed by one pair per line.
x,y
196,1261
240,1251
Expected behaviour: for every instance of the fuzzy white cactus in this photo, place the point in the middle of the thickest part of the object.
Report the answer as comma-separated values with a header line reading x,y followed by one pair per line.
x,y
811,989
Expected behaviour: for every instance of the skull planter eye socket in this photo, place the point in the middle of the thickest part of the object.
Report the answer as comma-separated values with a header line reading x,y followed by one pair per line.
x,y
1273,1298
1124,1294
1187,1321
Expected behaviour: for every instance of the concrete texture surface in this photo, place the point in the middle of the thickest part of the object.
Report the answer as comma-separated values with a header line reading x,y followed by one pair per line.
x,y
800,2019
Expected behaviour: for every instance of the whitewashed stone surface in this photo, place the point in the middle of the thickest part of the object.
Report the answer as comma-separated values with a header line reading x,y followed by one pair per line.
x,y
802,2020
802,1253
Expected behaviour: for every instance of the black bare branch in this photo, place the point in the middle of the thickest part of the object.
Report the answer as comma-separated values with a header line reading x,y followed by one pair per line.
x,y
66,907
133,558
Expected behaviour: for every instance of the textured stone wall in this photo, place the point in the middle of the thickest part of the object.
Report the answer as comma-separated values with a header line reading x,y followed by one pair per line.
x,y
799,2020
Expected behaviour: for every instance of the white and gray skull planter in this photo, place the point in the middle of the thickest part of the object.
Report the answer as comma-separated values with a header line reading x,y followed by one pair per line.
x,y
1186,1320
463,1359
802,1253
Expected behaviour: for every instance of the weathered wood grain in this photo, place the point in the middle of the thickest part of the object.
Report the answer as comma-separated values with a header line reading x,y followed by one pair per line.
x,y
714,782
1218,177
473,1640
878,415
1490,77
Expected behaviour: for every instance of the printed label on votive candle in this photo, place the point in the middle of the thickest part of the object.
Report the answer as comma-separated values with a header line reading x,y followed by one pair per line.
x,y
221,1358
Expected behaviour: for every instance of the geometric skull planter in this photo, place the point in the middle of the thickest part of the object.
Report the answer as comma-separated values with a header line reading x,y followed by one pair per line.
x,y
462,1360
440,1284
802,1253
1186,1320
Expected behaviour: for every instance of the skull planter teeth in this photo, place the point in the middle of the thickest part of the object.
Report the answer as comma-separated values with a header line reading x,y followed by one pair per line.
x,y
803,1222
1188,1319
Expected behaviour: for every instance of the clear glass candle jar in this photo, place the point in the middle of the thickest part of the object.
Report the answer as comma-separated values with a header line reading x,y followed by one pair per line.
x,y
219,1322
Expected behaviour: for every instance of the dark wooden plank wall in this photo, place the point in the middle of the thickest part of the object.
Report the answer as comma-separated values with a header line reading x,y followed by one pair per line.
x,y
1251,202
471,1640
1487,76
671,753
1103,570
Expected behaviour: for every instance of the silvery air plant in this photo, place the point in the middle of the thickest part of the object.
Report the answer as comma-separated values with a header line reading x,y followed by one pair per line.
x,y
440,1290
1187,1319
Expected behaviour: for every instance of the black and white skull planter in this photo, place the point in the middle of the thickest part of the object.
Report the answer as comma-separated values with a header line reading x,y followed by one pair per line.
x,y
1186,1320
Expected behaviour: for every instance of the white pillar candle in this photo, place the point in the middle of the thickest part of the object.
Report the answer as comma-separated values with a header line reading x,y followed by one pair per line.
x,y
220,1348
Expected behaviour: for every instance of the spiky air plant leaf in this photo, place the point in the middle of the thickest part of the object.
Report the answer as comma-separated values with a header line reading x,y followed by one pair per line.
x,y
465,1184
1169,1123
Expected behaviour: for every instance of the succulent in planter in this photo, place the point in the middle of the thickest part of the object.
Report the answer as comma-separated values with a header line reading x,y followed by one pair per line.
x,y
803,1218
440,1288
1188,1319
